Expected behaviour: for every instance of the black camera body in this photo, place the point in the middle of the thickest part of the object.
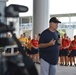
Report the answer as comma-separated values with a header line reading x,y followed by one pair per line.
x,y
19,64
12,65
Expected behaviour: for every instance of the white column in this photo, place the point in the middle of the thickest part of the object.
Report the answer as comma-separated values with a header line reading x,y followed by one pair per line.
x,y
40,15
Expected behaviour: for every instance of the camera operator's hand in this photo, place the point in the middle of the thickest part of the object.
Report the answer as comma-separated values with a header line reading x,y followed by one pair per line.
x,y
52,42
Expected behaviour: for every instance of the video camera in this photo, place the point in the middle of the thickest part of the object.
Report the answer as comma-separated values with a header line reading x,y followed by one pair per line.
x,y
19,64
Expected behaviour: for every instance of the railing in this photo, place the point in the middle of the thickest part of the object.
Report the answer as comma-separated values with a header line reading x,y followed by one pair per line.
x,y
67,25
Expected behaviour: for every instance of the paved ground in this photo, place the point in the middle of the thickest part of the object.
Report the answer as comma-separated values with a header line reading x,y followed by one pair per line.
x,y
62,70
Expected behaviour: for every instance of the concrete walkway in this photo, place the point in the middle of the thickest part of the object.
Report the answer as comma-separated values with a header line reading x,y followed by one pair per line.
x,y
62,70
66,70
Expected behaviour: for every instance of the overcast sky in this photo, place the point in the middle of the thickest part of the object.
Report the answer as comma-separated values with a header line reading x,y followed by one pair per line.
x,y
56,6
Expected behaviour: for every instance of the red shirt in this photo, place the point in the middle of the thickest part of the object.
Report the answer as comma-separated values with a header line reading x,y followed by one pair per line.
x,y
73,43
34,42
65,42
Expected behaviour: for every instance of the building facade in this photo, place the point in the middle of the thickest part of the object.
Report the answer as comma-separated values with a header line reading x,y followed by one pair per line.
x,y
68,25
